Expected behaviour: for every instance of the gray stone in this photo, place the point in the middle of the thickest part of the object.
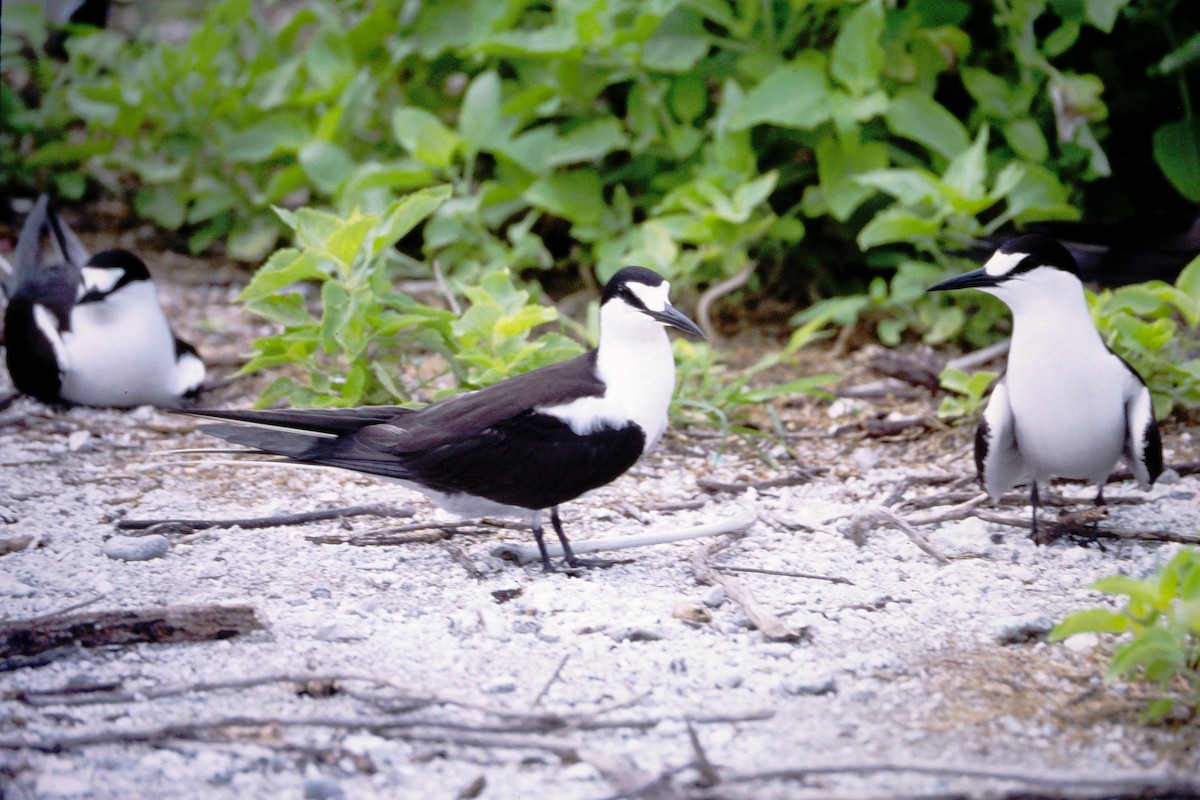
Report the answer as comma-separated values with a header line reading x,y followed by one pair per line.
x,y
323,789
137,548
1021,629
815,683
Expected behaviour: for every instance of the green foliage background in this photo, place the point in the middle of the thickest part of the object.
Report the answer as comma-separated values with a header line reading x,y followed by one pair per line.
x,y
834,148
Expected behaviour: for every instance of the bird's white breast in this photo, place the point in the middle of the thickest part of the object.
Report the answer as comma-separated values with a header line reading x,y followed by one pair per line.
x,y
1067,393
121,351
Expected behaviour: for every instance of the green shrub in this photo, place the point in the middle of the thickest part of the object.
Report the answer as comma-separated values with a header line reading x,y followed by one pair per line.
x,y
1161,619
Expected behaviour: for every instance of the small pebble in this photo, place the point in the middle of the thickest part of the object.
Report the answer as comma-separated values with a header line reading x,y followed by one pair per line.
x,y
320,593
137,548
1082,642
813,684
502,685
1021,629
636,633
323,789
11,587
691,612
77,440
715,596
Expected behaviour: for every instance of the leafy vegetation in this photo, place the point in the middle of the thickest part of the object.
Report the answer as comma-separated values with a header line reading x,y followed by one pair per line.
x,y
1156,327
1160,621
968,392
834,147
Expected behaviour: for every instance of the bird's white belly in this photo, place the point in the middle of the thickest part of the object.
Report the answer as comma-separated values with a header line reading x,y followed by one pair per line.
x,y
1066,424
126,362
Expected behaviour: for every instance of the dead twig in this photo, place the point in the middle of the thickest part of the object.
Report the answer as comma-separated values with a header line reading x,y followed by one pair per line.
x,y
249,523
771,625
716,292
784,574
553,678
1132,784
795,479
523,554
417,532
35,642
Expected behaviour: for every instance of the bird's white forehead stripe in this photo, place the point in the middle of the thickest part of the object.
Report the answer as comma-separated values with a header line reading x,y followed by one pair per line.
x,y
653,297
101,279
1003,263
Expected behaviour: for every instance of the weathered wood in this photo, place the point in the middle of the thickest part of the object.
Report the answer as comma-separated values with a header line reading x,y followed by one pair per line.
x,y
32,643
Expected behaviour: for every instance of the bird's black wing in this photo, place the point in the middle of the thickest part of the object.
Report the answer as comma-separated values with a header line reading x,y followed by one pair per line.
x,y
997,459
386,433
464,415
531,460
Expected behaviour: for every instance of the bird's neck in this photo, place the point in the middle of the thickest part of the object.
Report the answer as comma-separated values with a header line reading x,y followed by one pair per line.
x,y
638,369
1058,323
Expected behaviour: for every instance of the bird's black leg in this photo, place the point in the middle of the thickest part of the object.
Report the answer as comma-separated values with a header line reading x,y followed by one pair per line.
x,y
1033,499
568,553
1100,501
541,541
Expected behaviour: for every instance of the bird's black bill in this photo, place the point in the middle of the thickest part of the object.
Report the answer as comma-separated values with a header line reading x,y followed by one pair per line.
x,y
673,317
975,279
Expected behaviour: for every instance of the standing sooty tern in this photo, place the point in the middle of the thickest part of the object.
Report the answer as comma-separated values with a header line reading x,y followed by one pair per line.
x,y
89,329
517,447
1067,406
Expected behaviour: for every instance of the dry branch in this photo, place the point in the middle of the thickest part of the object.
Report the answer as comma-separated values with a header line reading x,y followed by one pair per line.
x,y
524,554
769,624
803,476
278,520
29,643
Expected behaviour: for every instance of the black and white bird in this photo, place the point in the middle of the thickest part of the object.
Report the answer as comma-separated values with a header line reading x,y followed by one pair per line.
x,y
517,447
1067,406
89,329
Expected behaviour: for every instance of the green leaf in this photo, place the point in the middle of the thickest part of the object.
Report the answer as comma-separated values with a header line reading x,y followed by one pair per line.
x,y
915,115
162,204
424,136
1144,591
894,225
589,142
1177,153
857,59
910,186
284,268
1025,137
251,240
479,118
968,170
1103,13
794,95
1092,620
575,196
406,213
678,43
325,164
839,161
345,242
285,132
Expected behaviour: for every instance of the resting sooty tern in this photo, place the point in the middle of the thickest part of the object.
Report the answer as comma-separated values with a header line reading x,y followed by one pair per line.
x,y
1068,406
88,329
520,446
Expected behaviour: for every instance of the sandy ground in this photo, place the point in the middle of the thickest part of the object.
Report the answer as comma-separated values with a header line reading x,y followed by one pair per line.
x,y
434,669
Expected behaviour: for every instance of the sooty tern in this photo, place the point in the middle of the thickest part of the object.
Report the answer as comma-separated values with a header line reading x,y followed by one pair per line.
x,y
89,329
1067,406
517,447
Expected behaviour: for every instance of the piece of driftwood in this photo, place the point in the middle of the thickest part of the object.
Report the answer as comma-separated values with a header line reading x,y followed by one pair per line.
x,y
31,643
524,554
770,625
278,520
